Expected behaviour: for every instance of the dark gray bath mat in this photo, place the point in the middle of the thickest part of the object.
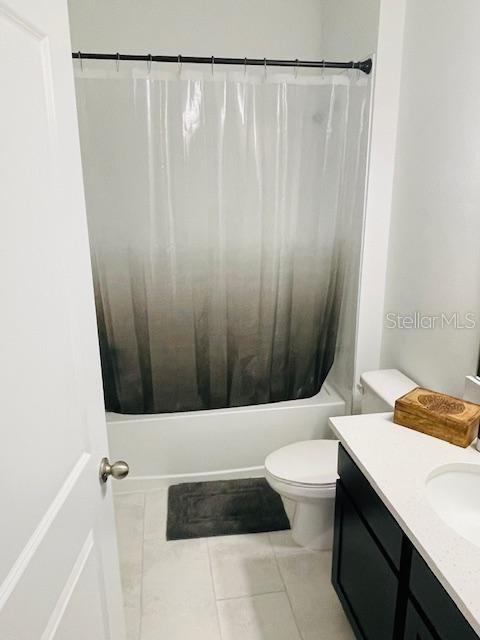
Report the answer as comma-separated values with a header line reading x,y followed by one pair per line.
x,y
225,507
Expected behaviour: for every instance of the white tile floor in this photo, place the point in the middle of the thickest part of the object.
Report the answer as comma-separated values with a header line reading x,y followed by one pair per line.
x,y
250,587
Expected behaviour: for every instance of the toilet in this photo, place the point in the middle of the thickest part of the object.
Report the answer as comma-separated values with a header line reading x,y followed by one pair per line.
x,y
305,473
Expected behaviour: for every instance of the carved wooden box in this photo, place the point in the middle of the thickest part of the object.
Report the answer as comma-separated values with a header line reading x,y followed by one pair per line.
x,y
438,415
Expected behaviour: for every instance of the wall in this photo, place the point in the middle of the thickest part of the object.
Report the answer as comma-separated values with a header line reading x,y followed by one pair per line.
x,y
378,204
349,28
434,256
255,28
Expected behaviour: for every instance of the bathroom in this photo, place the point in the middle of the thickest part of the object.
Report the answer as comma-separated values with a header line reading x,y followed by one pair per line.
x,y
258,224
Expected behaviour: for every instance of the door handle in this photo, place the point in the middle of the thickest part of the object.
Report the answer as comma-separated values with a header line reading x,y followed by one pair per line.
x,y
118,470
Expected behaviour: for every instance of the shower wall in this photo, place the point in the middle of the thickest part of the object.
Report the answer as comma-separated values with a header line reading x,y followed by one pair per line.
x,y
349,28
254,28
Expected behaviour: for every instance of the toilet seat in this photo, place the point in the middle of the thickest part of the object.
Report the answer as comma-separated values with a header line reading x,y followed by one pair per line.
x,y
311,463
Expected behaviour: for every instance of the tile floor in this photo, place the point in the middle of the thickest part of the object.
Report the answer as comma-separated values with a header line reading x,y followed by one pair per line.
x,y
245,587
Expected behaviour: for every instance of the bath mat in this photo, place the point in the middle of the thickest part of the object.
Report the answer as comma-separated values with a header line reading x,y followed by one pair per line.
x,y
222,508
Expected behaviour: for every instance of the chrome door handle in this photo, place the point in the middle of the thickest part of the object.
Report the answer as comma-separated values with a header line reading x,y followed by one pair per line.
x,y
118,470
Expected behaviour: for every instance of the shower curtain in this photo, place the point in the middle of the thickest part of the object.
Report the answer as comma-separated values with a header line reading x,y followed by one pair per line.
x,y
220,207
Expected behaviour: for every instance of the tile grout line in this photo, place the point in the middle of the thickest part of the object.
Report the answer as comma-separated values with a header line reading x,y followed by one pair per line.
x,y
214,590
300,634
252,595
142,567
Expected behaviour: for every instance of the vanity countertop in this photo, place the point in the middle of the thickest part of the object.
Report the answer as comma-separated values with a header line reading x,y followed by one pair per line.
x,y
397,461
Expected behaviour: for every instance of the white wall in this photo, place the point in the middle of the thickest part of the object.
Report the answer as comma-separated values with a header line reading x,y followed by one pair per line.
x,y
254,28
349,28
341,29
385,108
434,253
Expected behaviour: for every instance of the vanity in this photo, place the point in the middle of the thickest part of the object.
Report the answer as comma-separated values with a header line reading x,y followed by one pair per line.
x,y
406,560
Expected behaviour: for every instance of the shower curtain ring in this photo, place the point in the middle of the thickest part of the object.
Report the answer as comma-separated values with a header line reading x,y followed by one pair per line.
x,y
245,67
118,62
149,63
213,62
265,67
80,60
180,63
323,68
296,68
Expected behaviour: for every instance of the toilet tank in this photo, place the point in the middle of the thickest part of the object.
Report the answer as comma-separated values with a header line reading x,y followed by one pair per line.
x,y
381,388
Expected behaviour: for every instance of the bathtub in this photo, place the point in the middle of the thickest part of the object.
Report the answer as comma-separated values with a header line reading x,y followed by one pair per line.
x,y
218,444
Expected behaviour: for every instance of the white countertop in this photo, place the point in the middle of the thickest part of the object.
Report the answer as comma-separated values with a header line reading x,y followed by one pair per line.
x,y
397,462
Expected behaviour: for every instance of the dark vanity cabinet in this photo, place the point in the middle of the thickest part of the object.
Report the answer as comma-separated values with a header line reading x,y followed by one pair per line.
x,y
386,589
415,627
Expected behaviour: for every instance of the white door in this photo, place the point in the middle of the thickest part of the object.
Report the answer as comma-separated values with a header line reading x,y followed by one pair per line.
x,y
59,573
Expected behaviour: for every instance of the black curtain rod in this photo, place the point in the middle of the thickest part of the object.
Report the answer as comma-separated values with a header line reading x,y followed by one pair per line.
x,y
363,65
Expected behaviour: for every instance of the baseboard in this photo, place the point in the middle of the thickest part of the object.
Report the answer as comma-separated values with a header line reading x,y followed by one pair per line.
x,y
153,483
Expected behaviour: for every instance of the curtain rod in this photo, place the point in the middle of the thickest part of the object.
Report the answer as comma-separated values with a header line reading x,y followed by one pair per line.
x,y
362,65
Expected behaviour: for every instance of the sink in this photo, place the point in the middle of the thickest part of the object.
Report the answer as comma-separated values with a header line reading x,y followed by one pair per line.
x,y
453,491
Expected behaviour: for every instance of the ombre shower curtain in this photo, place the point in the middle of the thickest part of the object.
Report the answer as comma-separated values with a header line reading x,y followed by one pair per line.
x,y
220,210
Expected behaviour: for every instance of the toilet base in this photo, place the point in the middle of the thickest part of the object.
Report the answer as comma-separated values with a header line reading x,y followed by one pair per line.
x,y
312,525
311,520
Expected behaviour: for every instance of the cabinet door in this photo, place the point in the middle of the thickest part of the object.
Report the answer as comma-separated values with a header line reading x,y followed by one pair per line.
x,y
378,519
435,603
415,628
362,577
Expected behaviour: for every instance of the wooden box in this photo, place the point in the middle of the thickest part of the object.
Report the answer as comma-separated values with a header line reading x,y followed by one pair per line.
x,y
438,415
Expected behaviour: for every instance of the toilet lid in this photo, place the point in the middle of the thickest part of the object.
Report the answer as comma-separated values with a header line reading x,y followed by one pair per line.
x,y
309,462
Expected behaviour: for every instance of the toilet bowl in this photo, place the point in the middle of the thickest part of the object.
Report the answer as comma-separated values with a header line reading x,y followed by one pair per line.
x,y
305,473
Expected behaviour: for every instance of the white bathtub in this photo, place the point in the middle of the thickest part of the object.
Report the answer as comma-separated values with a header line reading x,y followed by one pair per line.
x,y
163,449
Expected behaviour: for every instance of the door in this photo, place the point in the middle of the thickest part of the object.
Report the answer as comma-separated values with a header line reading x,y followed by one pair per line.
x,y
59,573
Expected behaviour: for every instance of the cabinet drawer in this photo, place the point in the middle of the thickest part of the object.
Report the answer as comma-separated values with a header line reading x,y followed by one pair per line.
x,y
436,604
379,519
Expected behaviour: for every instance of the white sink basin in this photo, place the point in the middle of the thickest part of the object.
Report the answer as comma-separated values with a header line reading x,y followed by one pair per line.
x,y
454,493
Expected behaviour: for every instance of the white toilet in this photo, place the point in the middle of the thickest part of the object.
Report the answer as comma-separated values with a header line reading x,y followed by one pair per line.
x,y
305,473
